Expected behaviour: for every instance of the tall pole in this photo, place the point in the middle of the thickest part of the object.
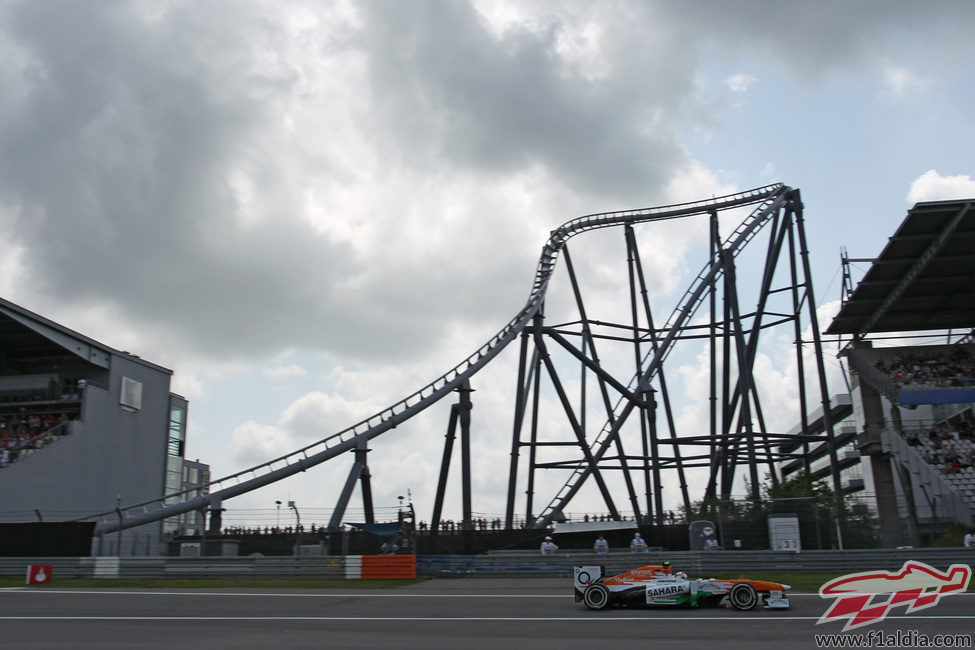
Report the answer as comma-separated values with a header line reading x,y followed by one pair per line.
x,y
291,504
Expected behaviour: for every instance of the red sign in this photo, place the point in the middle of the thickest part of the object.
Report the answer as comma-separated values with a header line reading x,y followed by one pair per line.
x,y
38,573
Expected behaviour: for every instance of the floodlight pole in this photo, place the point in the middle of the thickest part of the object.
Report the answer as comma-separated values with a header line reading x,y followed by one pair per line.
x,y
291,504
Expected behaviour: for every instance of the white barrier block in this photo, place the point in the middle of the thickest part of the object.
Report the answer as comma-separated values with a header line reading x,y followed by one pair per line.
x,y
353,567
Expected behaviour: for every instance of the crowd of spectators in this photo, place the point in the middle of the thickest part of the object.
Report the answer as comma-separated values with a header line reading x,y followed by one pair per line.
x,y
930,370
446,526
21,435
950,445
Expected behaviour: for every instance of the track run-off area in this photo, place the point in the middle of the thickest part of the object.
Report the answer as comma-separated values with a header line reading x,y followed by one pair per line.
x,y
446,613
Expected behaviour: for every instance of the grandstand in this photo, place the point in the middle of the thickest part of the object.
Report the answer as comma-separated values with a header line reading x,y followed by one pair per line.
x,y
83,428
914,403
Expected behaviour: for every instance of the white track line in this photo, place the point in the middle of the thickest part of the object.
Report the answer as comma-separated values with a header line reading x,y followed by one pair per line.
x,y
364,594
451,619
353,594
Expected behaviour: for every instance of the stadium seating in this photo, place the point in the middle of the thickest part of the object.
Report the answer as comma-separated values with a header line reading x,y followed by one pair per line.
x,y
952,455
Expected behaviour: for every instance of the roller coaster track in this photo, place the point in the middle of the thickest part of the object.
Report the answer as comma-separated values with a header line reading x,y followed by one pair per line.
x,y
654,358
769,198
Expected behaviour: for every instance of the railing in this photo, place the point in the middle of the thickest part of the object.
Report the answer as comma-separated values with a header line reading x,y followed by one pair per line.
x,y
881,382
951,503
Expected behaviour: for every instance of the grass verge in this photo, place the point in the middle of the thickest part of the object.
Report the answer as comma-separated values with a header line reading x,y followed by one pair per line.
x,y
804,582
214,583
810,581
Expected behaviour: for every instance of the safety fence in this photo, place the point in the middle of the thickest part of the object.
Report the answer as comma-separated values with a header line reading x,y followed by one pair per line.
x,y
495,565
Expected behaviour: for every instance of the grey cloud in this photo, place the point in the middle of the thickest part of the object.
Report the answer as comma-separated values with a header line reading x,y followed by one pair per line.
x,y
444,86
117,160
499,104
814,39
121,127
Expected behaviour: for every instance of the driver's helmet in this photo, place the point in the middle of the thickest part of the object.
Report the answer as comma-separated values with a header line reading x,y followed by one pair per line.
x,y
681,575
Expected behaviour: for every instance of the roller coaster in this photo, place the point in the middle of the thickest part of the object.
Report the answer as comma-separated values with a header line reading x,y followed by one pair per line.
x,y
737,436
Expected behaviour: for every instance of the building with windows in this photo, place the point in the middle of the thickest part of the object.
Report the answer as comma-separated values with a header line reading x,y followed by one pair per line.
x,y
193,482
87,429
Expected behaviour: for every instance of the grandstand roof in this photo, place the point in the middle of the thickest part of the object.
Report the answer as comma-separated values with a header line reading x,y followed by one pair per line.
x,y
26,335
923,280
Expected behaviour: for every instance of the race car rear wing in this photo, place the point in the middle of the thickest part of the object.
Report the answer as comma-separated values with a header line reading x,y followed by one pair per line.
x,y
585,576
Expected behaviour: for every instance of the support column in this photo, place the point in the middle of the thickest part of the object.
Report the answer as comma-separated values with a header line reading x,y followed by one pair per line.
x,y
464,407
881,469
361,458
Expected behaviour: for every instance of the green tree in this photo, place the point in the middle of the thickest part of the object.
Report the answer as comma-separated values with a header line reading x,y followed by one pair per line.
x,y
824,516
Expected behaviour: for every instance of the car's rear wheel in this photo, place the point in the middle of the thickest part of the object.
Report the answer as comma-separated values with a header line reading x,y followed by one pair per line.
x,y
596,596
743,596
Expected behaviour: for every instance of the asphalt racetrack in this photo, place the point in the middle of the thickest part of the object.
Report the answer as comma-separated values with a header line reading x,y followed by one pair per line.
x,y
446,613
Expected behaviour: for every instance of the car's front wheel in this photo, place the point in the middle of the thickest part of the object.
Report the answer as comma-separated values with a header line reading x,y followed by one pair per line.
x,y
743,596
596,596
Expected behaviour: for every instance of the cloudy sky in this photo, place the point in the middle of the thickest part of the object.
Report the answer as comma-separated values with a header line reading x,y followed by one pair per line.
x,y
307,210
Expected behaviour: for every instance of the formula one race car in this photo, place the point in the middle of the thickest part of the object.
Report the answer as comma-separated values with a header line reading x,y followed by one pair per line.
x,y
658,585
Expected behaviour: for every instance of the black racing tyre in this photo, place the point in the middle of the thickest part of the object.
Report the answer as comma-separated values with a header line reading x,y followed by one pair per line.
x,y
743,596
596,596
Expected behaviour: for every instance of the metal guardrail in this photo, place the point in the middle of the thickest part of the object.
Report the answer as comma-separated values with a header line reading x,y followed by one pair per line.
x,y
696,563
523,565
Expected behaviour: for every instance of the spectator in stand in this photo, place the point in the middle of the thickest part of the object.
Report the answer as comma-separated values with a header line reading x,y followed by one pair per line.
x,y
638,545
927,370
601,545
548,546
970,539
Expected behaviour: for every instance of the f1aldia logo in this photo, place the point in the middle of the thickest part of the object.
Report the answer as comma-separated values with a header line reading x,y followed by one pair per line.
x,y
860,596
